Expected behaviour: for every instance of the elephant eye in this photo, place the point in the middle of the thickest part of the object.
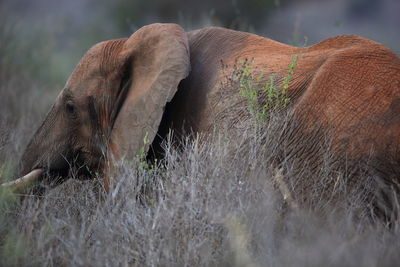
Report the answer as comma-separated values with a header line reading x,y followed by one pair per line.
x,y
70,107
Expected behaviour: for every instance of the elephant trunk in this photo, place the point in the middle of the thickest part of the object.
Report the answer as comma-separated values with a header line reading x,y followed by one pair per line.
x,y
30,158
46,151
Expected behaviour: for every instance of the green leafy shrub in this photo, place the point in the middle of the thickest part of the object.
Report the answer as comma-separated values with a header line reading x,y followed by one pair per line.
x,y
263,94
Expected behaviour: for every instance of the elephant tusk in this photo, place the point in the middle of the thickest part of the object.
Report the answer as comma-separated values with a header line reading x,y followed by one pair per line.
x,y
24,181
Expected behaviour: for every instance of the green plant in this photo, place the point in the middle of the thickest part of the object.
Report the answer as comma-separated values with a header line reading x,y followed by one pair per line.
x,y
141,157
263,94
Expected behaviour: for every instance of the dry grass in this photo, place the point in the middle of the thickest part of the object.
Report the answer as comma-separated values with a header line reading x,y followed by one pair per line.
x,y
215,202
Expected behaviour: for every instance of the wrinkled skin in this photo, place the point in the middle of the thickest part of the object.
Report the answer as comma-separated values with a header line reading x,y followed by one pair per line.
x,y
347,85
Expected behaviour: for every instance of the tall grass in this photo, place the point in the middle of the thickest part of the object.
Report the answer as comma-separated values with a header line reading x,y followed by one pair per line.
x,y
215,201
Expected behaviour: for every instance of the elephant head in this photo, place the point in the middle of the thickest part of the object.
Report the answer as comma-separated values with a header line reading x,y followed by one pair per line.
x,y
114,99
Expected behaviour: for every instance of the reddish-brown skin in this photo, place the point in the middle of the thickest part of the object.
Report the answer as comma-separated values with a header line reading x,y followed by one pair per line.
x,y
347,86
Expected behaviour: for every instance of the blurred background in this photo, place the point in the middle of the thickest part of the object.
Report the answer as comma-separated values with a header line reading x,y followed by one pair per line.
x,y
64,30
41,41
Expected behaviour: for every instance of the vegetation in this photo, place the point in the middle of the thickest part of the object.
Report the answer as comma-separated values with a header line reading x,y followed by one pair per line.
x,y
263,94
214,202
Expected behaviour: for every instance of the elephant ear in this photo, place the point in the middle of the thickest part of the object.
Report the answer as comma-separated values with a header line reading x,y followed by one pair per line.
x,y
157,59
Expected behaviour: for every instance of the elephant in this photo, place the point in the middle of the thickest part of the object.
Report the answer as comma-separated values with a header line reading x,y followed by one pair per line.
x,y
126,90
